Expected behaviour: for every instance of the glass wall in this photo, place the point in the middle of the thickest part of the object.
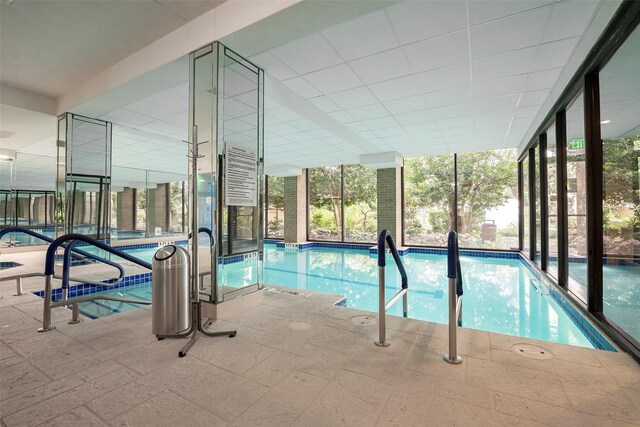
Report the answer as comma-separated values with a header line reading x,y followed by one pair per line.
x,y
536,181
552,191
620,131
325,203
526,226
488,199
429,200
275,207
360,203
577,198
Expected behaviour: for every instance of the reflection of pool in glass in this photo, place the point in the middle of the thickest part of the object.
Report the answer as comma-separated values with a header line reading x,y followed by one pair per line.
x,y
621,294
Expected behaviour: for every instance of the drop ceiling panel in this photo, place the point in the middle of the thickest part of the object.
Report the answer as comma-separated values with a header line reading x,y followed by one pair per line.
x,y
382,66
419,20
438,52
523,29
362,36
569,18
308,54
333,79
353,98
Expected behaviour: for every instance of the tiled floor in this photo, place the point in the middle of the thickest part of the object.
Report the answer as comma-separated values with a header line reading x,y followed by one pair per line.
x,y
296,361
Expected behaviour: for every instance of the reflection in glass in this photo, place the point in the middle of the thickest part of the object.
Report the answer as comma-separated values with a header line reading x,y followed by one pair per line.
x,y
577,199
538,230
526,224
620,129
552,191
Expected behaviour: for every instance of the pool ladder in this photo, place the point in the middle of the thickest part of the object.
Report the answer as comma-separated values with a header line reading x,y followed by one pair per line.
x,y
385,237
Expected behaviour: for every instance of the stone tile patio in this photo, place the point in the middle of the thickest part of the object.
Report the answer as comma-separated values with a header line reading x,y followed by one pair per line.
x,y
296,361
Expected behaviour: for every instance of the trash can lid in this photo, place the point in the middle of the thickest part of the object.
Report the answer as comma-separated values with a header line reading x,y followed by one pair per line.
x,y
165,252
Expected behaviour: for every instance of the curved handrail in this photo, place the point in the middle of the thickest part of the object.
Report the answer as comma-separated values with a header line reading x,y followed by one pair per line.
x,y
66,266
386,236
49,263
207,231
75,251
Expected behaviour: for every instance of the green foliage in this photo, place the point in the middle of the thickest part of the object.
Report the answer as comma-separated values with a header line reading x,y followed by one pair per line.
x,y
275,187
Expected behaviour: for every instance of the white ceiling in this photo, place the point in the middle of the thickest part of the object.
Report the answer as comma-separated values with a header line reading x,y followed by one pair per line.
x,y
413,77
78,39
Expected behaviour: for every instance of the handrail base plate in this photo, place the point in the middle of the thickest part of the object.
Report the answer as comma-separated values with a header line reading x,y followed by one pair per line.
x,y
456,361
51,328
386,343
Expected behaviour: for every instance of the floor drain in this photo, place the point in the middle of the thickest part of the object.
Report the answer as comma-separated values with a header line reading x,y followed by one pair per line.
x,y
299,326
364,320
532,351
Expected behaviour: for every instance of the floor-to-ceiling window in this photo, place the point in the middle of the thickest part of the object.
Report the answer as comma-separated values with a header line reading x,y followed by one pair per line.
x,y
620,132
526,226
552,202
429,200
360,204
275,207
538,213
488,199
325,203
577,198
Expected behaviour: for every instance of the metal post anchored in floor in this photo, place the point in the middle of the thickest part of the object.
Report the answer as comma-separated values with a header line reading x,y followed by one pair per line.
x,y
196,313
18,287
452,271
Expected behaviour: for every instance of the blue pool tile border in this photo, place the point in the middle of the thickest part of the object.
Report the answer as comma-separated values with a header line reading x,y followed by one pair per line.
x,y
402,251
133,281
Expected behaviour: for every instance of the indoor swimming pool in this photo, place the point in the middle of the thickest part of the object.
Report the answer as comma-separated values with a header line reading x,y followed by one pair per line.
x,y
500,294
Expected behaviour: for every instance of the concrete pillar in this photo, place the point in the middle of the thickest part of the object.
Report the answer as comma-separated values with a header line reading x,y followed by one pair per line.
x,y
295,208
389,188
125,211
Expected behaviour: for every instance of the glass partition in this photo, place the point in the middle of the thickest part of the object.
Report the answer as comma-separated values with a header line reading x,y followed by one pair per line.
x,y
620,130
577,199
84,176
226,104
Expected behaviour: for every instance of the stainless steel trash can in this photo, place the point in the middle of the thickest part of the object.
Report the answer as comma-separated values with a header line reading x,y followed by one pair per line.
x,y
171,306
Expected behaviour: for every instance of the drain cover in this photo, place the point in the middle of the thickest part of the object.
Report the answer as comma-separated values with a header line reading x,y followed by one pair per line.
x,y
532,351
299,326
364,320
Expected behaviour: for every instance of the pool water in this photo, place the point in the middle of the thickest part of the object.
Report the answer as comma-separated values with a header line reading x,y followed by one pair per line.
x,y
500,295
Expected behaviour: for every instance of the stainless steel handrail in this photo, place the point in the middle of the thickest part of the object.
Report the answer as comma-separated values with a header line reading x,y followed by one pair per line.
x,y
455,298
49,275
386,239
19,288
